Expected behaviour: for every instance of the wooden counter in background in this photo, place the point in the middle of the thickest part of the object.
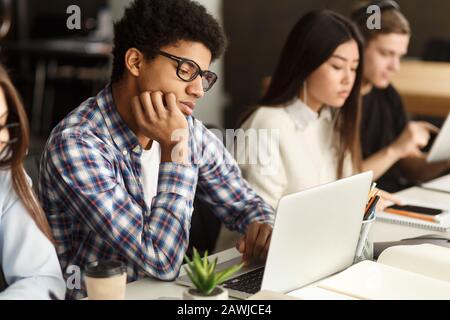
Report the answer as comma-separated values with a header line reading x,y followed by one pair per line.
x,y
424,87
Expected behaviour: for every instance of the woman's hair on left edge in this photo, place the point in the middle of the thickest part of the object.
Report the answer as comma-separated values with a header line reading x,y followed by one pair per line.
x,y
17,153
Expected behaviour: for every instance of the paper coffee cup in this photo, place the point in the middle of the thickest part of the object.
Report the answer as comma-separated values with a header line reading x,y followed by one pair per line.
x,y
106,280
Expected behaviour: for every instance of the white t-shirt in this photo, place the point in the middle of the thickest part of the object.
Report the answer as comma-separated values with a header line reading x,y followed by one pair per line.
x,y
150,160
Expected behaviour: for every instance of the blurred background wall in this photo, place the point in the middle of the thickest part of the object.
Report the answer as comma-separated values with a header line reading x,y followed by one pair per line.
x,y
256,29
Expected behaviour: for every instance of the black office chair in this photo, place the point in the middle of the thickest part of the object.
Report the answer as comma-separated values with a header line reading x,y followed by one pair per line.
x,y
31,166
205,227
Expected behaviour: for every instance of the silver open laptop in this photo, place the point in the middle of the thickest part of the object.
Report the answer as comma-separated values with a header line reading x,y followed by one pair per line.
x,y
315,235
440,151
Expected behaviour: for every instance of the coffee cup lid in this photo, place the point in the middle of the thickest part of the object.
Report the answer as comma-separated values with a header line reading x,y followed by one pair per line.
x,y
105,269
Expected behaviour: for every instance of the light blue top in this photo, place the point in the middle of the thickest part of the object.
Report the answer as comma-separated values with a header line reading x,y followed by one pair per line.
x,y
27,257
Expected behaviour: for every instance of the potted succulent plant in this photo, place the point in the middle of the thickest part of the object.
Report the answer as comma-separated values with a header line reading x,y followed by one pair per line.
x,y
205,278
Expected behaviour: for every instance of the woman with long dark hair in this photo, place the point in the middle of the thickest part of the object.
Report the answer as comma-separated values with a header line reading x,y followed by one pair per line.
x,y
313,100
28,258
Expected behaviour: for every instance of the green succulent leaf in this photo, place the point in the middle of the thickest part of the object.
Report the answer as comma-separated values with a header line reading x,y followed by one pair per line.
x,y
194,279
205,261
227,273
212,267
210,285
196,255
189,263
199,270
202,272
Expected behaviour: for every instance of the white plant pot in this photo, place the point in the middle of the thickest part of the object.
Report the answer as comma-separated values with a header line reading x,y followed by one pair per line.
x,y
219,293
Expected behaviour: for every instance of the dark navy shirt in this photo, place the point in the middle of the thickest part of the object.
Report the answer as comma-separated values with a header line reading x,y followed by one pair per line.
x,y
383,120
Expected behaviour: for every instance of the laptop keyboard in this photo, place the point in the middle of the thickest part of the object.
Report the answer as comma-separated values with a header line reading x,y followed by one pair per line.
x,y
249,282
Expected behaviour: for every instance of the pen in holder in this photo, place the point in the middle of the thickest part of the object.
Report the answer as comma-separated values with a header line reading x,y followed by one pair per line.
x,y
364,249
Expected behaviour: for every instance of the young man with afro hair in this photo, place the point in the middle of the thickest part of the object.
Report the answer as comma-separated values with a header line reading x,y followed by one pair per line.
x,y
119,173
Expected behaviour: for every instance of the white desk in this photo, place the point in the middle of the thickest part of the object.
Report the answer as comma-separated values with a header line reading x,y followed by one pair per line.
x,y
148,288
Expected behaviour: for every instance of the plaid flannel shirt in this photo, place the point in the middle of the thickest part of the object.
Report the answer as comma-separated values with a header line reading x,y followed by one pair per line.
x,y
91,191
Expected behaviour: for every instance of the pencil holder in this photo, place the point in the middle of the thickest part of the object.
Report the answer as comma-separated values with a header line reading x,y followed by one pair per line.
x,y
364,249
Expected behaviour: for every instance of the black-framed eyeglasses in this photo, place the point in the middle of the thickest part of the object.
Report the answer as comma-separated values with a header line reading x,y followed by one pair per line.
x,y
188,70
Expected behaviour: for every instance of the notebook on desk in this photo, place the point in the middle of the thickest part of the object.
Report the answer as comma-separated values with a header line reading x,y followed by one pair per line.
x,y
402,272
434,239
418,214
441,226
